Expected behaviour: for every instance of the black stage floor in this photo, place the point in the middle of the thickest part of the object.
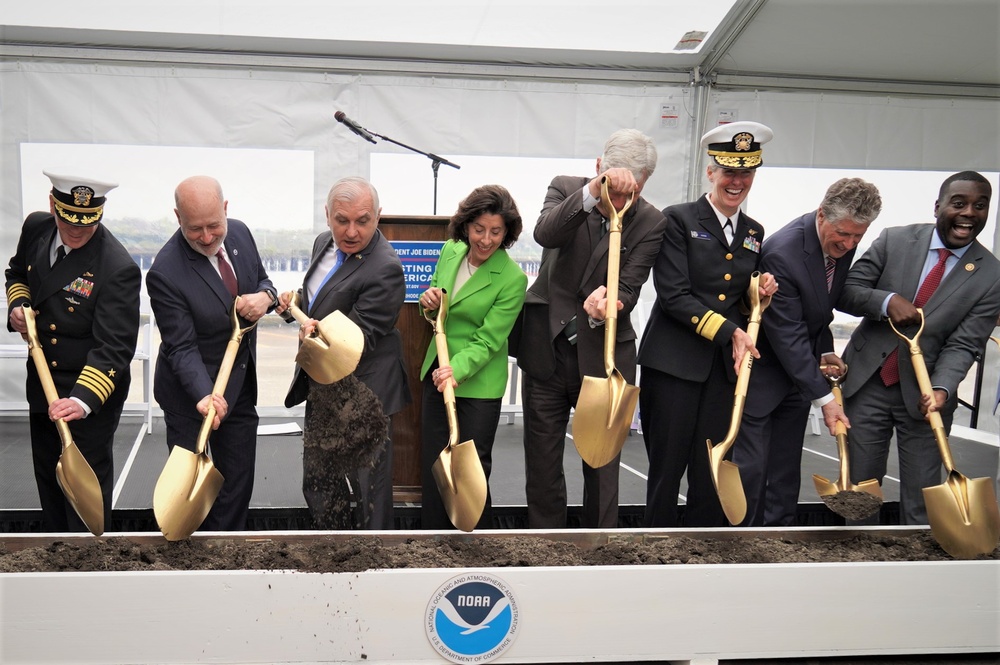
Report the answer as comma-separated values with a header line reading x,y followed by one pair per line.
x,y
278,503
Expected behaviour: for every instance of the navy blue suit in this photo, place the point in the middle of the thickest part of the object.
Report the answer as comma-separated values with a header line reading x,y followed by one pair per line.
x,y
192,309
794,334
686,356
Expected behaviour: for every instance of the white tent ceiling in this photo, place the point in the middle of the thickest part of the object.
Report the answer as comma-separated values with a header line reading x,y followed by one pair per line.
x,y
937,47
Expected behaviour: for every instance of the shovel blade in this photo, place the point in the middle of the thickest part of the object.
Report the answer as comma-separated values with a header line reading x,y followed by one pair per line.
x,y
461,481
963,515
184,493
603,417
334,352
729,486
82,489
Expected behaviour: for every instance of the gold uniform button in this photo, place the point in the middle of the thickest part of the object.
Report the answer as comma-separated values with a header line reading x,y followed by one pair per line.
x,y
53,340
54,363
71,309
722,296
727,277
729,257
694,319
52,326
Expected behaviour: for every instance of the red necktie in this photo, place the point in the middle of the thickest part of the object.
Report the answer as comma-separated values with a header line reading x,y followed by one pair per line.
x,y
890,368
228,276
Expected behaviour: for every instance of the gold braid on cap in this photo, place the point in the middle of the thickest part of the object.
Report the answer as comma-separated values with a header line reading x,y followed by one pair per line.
x,y
66,212
737,160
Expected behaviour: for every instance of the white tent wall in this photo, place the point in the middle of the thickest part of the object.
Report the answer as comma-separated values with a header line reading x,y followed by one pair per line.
x,y
94,102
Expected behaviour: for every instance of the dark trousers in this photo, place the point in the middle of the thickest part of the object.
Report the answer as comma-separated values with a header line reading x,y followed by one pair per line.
x,y
95,437
477,421
678,416
233,449
547,406
768,452
372,487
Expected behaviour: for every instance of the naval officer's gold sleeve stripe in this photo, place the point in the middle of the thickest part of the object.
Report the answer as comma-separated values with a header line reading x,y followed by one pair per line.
x,y
94,388
98,377
710,324
18,290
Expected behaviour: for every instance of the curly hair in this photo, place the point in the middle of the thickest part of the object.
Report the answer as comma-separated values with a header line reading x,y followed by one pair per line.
x,y
486,200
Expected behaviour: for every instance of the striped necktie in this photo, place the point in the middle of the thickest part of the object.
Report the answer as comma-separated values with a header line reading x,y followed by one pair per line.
x,y
831,267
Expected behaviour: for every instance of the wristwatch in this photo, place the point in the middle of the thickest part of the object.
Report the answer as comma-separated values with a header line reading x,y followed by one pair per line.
x,y
274,298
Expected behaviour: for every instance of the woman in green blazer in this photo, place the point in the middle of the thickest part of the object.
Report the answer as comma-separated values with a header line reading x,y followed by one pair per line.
x,y
485,292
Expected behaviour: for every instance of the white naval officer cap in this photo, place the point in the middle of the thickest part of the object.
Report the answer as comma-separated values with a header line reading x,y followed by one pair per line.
x,y
79,201
737,145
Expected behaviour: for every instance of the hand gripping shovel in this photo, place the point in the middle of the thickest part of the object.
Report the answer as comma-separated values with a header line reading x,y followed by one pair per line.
x,y
189,483
725,474
963,513
458,472
853,502
76,479
605,407
333,351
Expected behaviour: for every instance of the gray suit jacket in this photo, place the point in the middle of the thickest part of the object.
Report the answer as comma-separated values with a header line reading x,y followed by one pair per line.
x,y
369,290
574,263
959,317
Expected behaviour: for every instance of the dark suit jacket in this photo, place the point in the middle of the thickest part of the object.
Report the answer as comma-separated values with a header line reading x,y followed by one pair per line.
x,y
795,328
88,312
574,263
700,284
192,309
368,289
959,317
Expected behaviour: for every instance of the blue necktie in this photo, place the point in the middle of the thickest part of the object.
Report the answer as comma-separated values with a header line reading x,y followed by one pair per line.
x,y
341,257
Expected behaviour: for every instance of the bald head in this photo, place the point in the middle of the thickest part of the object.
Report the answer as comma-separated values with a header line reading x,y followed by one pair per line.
x,y
201,213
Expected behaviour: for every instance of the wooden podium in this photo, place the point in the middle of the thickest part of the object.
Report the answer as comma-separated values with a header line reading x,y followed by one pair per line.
x,y
417,334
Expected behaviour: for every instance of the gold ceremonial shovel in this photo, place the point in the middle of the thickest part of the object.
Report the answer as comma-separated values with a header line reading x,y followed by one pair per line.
x,y
963,513
605,406
458,472
725,474
75,476
853,502
189,483
333,351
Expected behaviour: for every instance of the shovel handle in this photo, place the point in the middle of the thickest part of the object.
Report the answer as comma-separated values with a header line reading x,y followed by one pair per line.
x,y
444,360
757,306
614,270
222,378
44,375
924,382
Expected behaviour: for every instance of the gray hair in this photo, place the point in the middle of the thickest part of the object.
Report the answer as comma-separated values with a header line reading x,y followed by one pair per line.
x,y
630,149
851,198
350,188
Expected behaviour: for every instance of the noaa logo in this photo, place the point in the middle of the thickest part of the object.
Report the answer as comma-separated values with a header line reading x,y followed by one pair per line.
x,y
472,618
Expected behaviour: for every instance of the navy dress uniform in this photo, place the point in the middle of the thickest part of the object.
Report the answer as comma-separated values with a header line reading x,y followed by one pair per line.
x,y
84,287
701,276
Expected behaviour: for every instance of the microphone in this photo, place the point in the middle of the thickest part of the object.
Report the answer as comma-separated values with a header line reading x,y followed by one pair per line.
x,y
354,127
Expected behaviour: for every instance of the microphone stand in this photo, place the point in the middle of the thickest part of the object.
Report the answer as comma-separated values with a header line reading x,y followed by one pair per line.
x,y
436,162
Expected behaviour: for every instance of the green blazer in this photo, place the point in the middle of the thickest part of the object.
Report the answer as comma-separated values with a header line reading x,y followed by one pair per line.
x,y
480,317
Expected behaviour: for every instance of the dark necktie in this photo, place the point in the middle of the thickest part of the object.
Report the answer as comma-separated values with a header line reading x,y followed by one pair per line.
x,y
228,276
831,267
60,255
729,231
890,368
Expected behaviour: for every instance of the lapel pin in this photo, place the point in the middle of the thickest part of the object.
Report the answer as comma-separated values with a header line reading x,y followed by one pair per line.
x,y
969,267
